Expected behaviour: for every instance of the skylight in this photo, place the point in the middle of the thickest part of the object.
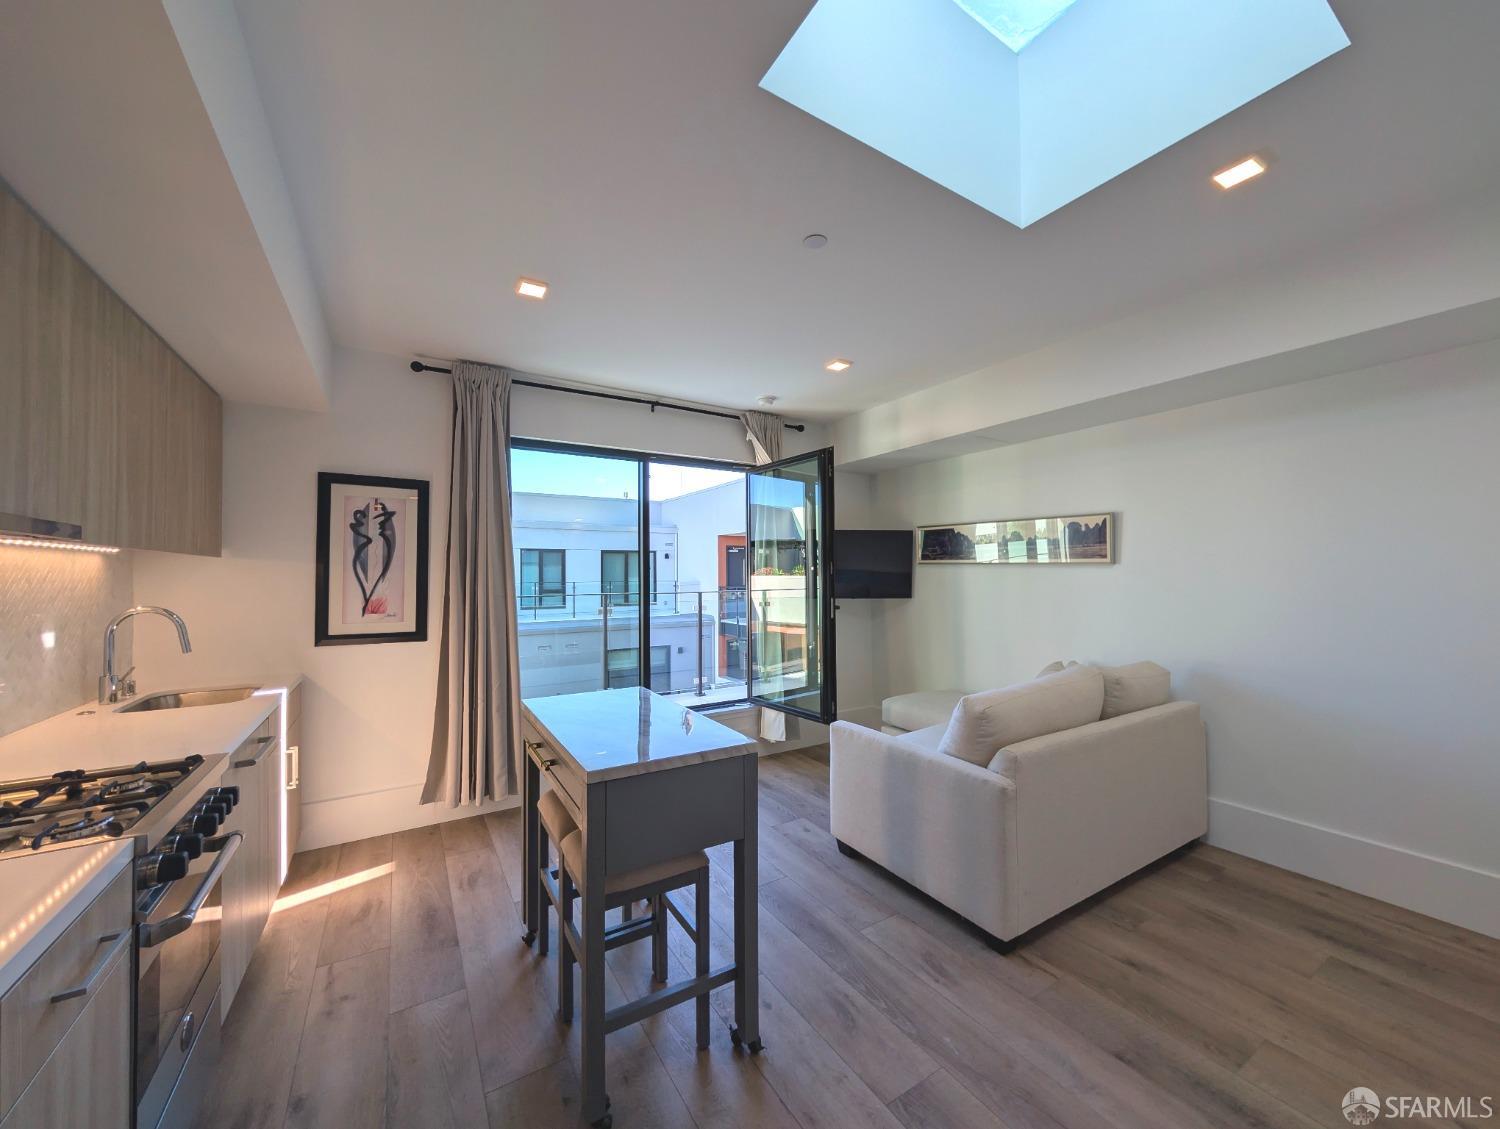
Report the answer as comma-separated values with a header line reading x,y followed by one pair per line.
x,y
947,89
1015,23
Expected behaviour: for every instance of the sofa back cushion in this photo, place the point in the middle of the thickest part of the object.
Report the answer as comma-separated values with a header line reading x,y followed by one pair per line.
x,y
986,722
1138,686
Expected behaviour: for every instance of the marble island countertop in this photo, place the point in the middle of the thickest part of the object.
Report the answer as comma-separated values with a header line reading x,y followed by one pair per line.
x,y
608,734
94,735
43,892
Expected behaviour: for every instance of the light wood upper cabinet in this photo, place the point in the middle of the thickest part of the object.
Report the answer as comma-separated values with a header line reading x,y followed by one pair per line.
x,y
101,423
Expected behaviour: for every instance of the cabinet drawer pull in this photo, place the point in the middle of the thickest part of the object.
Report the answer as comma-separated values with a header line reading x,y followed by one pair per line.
x,y
121,938
294,766
251,762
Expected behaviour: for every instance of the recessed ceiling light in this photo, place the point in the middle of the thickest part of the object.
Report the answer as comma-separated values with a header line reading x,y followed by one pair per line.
x,y
815,241
838,364
1248,169
531,288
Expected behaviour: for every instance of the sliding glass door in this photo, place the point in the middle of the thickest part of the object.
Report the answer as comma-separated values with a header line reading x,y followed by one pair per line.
x,y
630,571
789,580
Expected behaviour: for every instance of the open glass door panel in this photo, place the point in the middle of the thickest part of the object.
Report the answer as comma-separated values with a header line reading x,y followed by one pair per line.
x,y
789,585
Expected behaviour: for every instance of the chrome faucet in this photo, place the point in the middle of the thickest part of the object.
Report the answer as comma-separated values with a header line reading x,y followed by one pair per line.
x,y
114,688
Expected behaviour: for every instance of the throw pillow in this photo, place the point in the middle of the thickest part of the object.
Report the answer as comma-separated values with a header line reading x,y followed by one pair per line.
x,y
984,723
1138,686
1054,667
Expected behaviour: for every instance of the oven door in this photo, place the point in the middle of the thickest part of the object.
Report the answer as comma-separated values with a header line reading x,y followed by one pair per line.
x,y
178,935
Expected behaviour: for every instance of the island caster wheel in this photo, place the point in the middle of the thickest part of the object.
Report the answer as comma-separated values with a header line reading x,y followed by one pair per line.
x,y
756,1047
528,937
739,1040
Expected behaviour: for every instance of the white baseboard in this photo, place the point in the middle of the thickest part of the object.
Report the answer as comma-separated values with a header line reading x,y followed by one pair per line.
x,y
1449,891
347,818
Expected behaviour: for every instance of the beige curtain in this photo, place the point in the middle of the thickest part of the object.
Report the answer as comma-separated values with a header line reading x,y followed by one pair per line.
x,y
763,431
476,723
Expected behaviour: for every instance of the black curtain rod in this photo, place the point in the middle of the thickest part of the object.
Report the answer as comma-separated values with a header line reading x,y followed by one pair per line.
x,y
418,366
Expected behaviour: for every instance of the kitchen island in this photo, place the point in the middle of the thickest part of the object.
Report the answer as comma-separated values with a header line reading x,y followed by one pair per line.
x,y
647,781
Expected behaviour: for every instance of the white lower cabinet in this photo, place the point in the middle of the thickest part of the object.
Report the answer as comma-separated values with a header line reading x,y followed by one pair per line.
x,y
254,876
66,1025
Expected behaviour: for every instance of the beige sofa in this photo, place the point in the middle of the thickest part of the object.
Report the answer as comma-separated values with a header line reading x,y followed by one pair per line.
x,y
1028,799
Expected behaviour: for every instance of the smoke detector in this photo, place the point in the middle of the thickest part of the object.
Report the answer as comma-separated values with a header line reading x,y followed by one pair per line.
x,y
766,401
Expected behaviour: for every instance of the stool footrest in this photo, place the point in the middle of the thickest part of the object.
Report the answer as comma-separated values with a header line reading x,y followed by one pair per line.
x,y
688,927
663,998
628,931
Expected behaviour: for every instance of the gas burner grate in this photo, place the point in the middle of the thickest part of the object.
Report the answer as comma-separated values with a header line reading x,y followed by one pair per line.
x,y
70,806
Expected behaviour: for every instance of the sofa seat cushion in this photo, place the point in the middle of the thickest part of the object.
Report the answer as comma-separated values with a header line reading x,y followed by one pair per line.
x,y
1139,686
929,738
984,723
907,712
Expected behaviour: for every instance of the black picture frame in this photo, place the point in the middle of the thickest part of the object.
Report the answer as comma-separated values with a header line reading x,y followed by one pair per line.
x,y
327,480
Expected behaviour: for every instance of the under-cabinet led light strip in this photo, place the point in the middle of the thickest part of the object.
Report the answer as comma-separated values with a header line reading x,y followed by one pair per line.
x,y
75,546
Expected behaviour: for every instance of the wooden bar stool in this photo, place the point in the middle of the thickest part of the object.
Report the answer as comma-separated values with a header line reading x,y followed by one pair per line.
x,y
652,884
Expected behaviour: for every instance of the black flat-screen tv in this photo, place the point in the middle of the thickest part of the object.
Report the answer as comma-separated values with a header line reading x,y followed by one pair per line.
x,y
872,564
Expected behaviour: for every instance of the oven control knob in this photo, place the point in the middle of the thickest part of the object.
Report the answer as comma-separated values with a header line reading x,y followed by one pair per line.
x,y
217,808
203,823
229,794
167,867
189,843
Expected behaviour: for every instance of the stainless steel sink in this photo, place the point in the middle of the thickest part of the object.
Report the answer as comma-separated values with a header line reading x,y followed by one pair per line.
x,y
186,698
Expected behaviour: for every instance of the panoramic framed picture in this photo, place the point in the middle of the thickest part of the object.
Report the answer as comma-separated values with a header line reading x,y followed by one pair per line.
x,y
1078,539
371,560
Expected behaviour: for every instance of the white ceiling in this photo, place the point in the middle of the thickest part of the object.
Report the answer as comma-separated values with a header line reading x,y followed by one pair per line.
x,y
431,153
624,153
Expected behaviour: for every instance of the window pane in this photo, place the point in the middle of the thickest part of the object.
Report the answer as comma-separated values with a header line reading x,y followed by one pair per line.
x,y
697,584
568,510
787,598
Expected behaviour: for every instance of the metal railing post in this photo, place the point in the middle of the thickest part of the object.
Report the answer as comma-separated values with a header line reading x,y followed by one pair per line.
x,y
604,640
701,690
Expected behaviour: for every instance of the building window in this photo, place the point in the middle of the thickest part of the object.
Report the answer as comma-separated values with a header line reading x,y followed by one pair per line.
x,y
623,664
620,576
543,578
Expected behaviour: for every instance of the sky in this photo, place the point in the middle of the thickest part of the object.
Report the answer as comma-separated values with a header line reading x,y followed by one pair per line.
x,y
589,476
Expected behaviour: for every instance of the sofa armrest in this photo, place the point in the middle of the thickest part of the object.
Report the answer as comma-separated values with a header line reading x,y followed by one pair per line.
x,y
936,821
1096,803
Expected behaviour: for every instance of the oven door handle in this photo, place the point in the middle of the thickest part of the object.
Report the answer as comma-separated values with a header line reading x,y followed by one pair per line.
x,y
153,933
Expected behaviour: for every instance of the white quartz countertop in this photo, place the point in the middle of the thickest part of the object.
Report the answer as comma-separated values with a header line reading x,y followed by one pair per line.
x,y
43,892
92,736
614,733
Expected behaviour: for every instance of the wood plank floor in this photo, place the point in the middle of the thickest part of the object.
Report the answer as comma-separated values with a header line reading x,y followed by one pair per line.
x,y
391,989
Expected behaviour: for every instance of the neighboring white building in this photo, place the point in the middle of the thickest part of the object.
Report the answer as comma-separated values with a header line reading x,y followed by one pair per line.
x,y
578,580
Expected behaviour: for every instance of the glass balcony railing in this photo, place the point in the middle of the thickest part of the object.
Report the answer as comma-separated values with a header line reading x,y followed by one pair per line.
x,y
575,637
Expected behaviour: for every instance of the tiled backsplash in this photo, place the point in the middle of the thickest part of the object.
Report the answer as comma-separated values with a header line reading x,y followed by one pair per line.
x,y
54,605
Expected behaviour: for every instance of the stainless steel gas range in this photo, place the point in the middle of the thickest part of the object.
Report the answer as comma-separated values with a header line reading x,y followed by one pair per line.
x,y
185,836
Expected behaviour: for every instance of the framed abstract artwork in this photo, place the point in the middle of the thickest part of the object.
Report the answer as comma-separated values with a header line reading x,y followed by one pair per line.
x,y
371,560
1078,539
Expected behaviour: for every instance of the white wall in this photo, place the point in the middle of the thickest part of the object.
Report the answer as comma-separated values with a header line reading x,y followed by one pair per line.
x,y
1315,564
368,709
